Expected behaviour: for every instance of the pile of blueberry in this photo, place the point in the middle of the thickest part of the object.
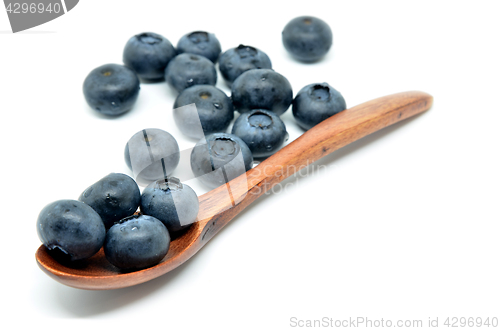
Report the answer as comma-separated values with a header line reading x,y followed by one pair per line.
x,y
105,215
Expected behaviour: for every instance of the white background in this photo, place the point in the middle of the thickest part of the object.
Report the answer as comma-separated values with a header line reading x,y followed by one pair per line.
x,y
403,224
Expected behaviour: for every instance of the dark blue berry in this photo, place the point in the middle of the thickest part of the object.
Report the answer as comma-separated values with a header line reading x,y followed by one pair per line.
x,y
214,111
111,89
173,203
235,61
186,70
71,229
148,55
200,43
219,158
136,242
261,89
315,103
114,197
307,38
262,130
151,154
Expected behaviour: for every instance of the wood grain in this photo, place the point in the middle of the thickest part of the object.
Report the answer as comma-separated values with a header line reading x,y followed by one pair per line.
x,y
222,204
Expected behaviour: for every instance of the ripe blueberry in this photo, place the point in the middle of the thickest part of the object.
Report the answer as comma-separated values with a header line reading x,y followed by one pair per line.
x,y
200,43
148,55
262,130
307,38
114,197
186,70
261,89
111,89
136,242
235,61
219,158
214,111
173,203
315,103
71,229
151,154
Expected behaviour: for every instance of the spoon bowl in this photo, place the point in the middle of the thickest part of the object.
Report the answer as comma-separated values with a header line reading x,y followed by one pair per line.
x,y
222,204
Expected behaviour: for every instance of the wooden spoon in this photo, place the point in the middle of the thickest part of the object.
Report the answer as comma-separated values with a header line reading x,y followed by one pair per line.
x,y
222,204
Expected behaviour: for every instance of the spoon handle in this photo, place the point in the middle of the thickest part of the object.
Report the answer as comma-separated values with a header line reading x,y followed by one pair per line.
x,y
331,134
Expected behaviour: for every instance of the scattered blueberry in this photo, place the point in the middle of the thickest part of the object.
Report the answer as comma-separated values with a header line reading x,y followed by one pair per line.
x,y
235,61
219,158
200,43
186,70
136,242
151,154
173,203
71,229
307,38
148,55
111,89
114,197
315,103
214,111
263,131
261,89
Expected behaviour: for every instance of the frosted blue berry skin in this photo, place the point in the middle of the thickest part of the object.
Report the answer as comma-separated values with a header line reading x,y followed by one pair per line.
x,y
71,229
263,132
111,89
214,110
150,154
113,197
261,89
315,103
136,242
186,70
173,203
307,38
148,54
219,158
235,61
200,43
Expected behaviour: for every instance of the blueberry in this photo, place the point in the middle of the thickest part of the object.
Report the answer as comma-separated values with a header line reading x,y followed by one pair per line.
x,y
219,158
186,70
173,203
136,242
71,229
307,38
236,61
213,112
148,55
261,89
151,154
262,131
114,197
315,103
200,43
111,89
